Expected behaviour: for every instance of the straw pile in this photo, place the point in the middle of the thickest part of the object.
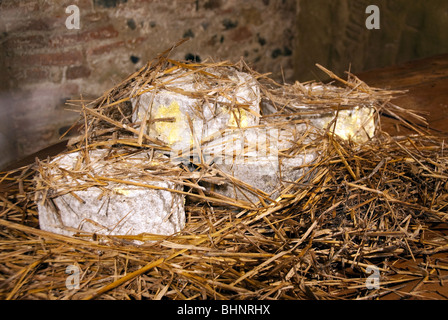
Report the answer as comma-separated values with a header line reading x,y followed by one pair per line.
x,y
356,206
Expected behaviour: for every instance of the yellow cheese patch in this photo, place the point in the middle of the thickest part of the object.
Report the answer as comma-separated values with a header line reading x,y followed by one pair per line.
x,y
122,191
238,116
170,131
356,124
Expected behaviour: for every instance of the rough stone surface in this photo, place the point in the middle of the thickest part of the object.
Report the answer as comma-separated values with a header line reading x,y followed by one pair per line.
x,y
356,121
115,209
259,158
264,174
210,105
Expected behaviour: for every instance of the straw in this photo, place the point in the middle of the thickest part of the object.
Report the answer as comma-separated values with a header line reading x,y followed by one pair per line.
x,y
355,207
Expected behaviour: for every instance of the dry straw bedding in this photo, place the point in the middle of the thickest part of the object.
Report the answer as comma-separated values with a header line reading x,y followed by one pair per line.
x,y
356,206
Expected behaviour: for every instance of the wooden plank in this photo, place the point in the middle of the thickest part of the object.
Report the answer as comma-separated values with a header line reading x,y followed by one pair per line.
x,y
427,83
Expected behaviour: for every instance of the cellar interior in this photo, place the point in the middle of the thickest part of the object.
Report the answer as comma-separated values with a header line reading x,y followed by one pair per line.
x,y
360,219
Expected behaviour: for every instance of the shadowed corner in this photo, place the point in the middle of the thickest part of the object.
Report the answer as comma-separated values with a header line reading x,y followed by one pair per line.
x,y
8,151
27,125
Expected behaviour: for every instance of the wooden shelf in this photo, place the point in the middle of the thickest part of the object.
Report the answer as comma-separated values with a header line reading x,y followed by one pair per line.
x,y
426,82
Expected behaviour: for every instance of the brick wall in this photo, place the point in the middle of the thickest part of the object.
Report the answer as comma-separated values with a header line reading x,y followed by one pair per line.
x,y
45,63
